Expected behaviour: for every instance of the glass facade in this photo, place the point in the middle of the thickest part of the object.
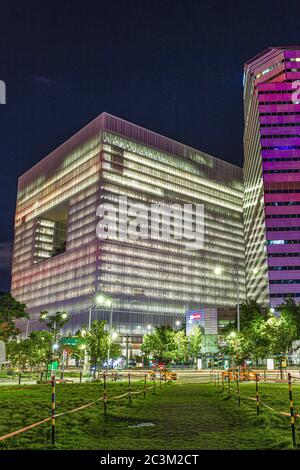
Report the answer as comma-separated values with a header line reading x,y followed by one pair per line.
x,y
59,263
272,175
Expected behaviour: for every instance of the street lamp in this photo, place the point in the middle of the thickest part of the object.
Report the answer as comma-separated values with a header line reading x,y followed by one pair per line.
x,y
99,300
178,323
109,303
218,270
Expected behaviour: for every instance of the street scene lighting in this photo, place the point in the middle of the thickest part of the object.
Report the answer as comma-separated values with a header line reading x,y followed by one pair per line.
x,y
218,270
99,299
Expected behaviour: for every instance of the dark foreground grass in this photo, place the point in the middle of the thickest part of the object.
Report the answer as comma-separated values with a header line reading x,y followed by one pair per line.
x,y
185,416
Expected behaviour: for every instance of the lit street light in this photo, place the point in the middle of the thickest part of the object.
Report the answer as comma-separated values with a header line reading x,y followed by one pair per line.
x,y
218,270
98,300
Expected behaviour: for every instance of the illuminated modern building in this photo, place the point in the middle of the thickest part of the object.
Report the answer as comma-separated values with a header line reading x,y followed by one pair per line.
x,y
211,321
59,263
272,175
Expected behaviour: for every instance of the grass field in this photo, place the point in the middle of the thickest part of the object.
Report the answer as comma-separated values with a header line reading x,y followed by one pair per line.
x,y
185,416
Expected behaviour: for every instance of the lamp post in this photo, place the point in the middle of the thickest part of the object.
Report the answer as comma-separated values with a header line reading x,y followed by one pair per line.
x,y
109,303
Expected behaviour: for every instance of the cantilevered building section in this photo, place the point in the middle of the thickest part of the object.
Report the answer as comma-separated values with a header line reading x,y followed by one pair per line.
x,y
59,263
272,175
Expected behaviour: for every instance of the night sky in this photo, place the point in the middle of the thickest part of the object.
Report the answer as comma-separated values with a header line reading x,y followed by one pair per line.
x,y
173,66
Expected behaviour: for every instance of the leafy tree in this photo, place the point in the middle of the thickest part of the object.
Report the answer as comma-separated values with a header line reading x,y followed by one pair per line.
x,y
194,343
263,333
98,340
76,351
237,347
251,310
40,349
165,344
181,346
282,331
33,352
290,310
10,310
54,322
231,326
115,350
18,353
254,339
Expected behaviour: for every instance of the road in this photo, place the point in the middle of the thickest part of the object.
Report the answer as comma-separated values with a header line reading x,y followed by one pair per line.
x,y
183,375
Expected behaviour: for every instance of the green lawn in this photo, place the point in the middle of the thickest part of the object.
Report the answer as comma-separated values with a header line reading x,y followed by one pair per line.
x,y
185,416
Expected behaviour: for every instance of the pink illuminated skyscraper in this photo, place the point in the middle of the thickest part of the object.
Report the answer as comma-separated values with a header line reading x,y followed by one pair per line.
x,y
272,175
